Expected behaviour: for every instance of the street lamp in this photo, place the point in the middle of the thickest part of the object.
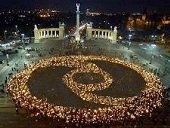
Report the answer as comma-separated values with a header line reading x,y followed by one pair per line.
x,y
5,32
22,40
16,29
7,59
130,35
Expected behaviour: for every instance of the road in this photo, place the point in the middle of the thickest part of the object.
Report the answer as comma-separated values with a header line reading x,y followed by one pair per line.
x,y
153,56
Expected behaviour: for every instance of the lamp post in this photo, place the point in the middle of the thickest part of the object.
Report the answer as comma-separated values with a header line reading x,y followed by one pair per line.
x,y
129,43
5,32
16,29
7,59
22,40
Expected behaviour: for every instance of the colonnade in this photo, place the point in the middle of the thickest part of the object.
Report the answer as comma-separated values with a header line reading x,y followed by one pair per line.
x,y
49,32
93,33
98,33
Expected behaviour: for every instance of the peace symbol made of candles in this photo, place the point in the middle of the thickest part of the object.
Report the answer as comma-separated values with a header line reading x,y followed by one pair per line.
x,y
20,92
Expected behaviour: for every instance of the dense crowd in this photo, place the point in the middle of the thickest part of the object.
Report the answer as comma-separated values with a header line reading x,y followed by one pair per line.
x,y
116,109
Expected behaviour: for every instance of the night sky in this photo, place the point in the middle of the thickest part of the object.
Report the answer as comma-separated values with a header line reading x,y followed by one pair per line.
x,y
93,5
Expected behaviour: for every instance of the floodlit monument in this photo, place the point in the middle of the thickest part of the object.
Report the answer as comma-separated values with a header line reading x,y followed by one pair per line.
x,y
77,37
91,33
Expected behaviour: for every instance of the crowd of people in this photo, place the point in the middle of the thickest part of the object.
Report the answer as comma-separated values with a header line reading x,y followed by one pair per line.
x,y
116,109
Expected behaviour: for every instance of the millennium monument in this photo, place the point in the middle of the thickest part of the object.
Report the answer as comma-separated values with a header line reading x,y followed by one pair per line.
x,y
91,33
77,23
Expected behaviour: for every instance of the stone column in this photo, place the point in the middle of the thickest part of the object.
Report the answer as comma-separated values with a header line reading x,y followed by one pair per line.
x,y
106,35
48,33
51,34
95,34
77,16
78,22
57,33
100,33
42,33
